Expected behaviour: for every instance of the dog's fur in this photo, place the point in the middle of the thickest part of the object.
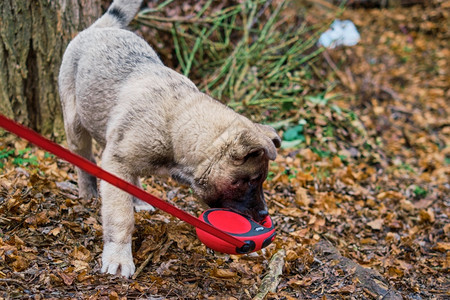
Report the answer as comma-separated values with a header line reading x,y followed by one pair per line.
x,y
151,120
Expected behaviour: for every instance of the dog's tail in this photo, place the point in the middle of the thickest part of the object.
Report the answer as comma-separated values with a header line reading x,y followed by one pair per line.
x,y
119,14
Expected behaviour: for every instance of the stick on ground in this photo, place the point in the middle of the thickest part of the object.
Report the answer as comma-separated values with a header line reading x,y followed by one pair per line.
x,y
271,280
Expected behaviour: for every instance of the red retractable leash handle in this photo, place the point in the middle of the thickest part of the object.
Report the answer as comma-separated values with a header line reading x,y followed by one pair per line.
x,y
256,234
88,166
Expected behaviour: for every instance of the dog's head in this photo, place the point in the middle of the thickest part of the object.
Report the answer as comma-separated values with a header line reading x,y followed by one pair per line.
x,y
236,169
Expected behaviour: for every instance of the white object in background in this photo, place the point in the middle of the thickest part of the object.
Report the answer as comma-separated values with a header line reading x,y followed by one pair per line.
x,y
340,33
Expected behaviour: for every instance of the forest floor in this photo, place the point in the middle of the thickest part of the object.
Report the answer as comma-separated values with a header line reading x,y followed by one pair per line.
x,y
360,215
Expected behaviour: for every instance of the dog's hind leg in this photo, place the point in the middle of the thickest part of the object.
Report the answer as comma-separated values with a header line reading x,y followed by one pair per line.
x,y
80,142
140,205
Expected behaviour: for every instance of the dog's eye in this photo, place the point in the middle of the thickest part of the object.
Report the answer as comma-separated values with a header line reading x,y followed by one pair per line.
x,y
256,178
246,181
236,182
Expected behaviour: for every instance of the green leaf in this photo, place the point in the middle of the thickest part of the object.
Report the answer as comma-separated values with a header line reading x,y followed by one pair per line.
x,y
291,144
294,133
48,155
329,131
420,192
321,153
318,99
447,160
6,153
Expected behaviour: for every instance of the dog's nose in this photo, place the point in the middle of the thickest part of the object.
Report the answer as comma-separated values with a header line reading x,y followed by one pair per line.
x,y
263,214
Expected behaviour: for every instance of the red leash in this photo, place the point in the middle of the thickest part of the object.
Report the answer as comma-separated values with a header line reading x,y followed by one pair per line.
x,y
95,170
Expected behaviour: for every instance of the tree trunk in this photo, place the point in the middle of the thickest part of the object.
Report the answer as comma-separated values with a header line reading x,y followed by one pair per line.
x,y
33,37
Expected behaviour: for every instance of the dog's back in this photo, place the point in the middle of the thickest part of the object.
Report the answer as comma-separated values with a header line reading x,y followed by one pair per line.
x,y
97,62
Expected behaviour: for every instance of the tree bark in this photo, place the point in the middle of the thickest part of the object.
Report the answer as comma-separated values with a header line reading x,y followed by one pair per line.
x,y
33,37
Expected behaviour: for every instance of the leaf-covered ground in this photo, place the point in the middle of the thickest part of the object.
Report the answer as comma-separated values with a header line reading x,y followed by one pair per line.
x,y
362,206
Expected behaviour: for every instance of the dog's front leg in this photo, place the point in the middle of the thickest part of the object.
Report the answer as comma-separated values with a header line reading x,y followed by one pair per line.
x,y
118,220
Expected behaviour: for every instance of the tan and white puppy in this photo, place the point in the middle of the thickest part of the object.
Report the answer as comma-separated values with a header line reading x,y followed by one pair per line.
x,y
151,120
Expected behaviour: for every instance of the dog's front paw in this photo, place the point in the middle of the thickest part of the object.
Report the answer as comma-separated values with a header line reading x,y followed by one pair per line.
x,y
140,205
117,256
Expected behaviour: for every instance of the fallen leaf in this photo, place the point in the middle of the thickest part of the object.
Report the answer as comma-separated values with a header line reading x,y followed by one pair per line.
x,y
301,197
427,215
422,204
390,195
67,278
348,289
38,219
113,296
80,265
164,267
407,205
20,264
55,231
304,282
395,272
81,253
447,228
368,241
376,224
223,273
292,212
442,246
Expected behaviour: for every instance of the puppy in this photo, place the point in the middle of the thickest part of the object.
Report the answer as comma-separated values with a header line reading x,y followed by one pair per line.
x,y
151,120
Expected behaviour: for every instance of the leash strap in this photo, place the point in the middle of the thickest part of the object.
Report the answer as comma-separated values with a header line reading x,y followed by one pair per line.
x,y
95,170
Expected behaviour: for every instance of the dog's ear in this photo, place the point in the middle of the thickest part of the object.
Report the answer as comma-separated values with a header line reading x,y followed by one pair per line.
x,y
270,133
250,143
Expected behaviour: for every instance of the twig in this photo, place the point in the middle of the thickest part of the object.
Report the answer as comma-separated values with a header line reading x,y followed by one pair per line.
x,y
348,82
148,14
325,4
10,280
155,254
176,19
183,34
261,11
390,92
400,110
271,280
142,266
